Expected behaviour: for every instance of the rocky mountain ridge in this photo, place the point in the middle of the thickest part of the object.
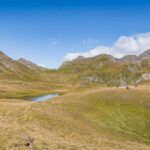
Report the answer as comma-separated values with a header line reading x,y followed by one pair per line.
x,y
101,69
127,58
106,69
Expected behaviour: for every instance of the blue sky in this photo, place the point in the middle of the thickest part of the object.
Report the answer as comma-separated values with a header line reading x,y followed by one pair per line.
x,y
45,31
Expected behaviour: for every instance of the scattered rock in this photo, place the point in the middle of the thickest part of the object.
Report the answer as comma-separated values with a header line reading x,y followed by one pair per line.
x,y
123,83
146,76
92,78
27,144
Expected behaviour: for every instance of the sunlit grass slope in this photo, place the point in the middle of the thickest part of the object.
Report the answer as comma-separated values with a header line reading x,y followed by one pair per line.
x,y
95,119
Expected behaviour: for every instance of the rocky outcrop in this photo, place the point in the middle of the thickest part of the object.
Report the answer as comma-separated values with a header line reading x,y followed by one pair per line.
x,y
145,76
130,59
145,55
92,79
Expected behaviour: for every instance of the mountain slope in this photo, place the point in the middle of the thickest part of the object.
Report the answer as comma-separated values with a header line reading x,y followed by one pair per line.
x,y
23,70
30,64
22,78
145,55
106,69
89,118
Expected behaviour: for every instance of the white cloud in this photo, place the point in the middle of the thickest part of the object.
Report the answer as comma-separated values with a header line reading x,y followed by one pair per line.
x,y
124,45
53,42
41,65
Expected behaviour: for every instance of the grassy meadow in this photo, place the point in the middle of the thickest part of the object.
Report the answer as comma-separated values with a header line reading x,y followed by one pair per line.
x,y
98,118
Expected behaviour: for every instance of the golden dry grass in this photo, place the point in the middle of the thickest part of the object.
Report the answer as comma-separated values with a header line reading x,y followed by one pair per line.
x,y
95,119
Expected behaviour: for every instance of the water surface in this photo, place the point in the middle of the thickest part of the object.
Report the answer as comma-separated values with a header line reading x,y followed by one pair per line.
x,y
43,97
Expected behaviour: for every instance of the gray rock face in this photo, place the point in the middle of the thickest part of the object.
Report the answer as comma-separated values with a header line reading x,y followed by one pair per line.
x,y
80,58
91,78
64,64
146,76
130,58
145,55
123,83
133,68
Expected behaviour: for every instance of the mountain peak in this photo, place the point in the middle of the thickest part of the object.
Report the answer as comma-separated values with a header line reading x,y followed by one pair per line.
x,y
4,57
130,58
29,64
79,58
145,55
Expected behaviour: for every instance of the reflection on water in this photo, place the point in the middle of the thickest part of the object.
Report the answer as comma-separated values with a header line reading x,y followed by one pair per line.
x,y
44,97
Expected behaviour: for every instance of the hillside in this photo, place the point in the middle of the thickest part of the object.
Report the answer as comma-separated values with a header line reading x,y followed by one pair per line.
x,y
97,119
21,78
13,69
105,69
89,114
30,64
102,69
